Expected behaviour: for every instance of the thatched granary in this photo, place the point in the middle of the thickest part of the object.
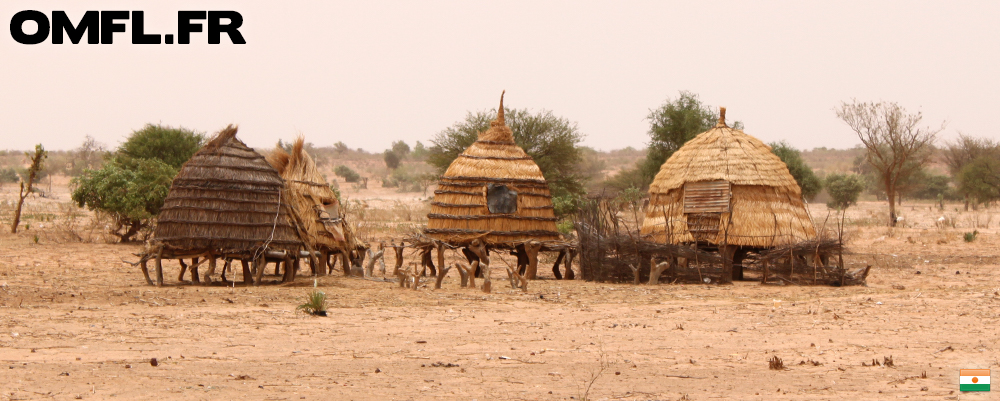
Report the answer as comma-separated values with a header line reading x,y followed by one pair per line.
x,y
725,187
226,201
493,191
314,203
494,196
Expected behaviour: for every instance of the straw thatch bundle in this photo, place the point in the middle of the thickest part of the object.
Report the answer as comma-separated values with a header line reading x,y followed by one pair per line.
x,y
726,187
311,199
226,200
493,191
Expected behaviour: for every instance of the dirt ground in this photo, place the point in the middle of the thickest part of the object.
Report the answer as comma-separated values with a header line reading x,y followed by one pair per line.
x,y
78,323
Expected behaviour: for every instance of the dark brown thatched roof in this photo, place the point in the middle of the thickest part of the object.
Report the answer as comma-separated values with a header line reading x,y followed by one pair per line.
x,y
226,199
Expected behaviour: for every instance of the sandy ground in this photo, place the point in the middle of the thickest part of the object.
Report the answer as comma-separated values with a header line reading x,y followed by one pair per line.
x,y
77,323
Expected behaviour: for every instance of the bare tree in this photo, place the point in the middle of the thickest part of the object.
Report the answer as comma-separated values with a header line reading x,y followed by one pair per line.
x,y
895,142
36,165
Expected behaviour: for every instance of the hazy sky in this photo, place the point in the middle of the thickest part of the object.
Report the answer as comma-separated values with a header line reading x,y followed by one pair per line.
x,y
370,72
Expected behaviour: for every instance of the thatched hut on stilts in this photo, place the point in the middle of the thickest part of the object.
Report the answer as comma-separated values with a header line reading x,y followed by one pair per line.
x,y
493,196
726,190
316,208
225,202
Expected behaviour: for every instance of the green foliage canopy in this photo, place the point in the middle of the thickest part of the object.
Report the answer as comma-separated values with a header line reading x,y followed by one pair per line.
x,y
980,179
802,173
552,141
346,173
130,190
844,189
133,184
173,146
671,125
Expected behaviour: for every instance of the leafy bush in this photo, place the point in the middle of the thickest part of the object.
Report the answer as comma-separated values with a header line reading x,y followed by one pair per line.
x,y
132,191
969,237
802,173
392,159
8,175
173,146
980,179
346,173
844,190
132,185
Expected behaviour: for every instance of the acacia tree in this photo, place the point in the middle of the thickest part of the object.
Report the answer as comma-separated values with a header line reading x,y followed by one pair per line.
x,y
802,173
896,144
132,185
552,141
671,125
980,179
26,184
962,151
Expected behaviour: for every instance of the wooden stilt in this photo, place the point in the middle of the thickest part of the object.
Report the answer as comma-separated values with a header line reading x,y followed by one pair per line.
x,y
247,275
346,261
531,248
258,264
289,269
195,278
211,270
569,265
324,259
145,272
225,268
555,266
399,259
184,267
159,267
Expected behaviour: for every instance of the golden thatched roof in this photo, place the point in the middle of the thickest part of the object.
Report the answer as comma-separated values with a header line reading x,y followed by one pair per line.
x,y
226,199
761,204
459,212
312,200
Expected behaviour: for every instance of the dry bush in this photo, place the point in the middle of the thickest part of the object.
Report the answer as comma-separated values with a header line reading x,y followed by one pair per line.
x,y
978,219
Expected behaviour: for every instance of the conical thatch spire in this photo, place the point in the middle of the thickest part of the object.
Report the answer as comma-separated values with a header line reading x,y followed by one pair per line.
x,y
226,200
733,179
722,118
498,131
459,212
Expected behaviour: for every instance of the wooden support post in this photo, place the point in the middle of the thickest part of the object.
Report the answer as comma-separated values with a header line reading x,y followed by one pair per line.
x,y
289,275
195,278
259,264
346,261
555,266
211,270
442,269
145,272
159,267
727,251
464,272
184,267
324,258
531,248
247,275
569,264
656,271
399,259
225,268
763,277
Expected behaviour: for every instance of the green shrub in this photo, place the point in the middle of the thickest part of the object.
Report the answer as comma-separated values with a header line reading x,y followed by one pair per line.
x,y
969,237
347,174
844,189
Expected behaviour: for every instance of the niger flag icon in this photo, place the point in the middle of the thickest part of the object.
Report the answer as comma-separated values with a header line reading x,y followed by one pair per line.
x,y
974,380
